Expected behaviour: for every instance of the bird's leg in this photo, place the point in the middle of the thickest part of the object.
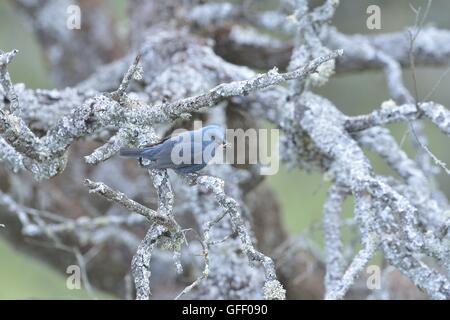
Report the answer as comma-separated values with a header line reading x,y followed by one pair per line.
x,y
190,178
146,166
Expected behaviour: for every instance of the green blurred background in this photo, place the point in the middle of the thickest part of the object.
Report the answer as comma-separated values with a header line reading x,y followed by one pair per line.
x,y
301,194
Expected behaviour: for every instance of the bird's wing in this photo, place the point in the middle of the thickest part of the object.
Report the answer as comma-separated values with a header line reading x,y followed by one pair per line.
x,y
153,151
164,157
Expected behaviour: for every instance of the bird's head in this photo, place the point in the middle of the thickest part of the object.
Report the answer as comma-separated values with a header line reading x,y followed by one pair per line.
x,y
215,134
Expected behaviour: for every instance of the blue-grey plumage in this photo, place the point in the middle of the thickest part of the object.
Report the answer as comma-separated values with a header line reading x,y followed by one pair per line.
x,y
187,152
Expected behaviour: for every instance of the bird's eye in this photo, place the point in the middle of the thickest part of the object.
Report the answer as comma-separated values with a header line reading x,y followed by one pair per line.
x,y
213,138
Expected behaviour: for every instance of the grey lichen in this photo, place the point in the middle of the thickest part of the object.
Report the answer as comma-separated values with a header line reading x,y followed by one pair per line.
x,y
273,290
175,75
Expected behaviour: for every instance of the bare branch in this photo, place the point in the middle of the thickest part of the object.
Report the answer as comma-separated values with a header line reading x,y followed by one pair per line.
x,y
112,195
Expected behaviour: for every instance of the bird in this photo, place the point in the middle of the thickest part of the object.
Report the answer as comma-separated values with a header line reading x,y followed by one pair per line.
x,y
185,153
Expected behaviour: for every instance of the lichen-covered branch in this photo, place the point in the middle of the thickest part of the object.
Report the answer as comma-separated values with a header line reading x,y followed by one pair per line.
x,y
140,265
102,112
332,236
112,195
390,112
219,231
272,287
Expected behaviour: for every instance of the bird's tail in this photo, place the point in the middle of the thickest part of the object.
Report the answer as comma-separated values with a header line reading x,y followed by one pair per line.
x,y
130,152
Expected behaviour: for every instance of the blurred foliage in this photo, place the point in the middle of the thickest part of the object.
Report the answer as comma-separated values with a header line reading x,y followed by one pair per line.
x,y
301,194
22,277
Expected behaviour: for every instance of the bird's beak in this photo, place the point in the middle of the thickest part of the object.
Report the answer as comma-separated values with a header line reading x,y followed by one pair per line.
x,y
226,144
